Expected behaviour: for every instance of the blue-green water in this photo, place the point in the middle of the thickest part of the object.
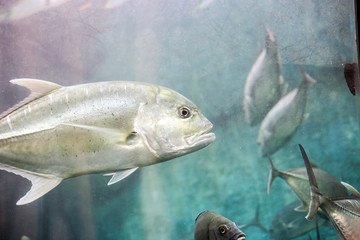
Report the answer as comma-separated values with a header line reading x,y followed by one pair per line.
x,y
205,53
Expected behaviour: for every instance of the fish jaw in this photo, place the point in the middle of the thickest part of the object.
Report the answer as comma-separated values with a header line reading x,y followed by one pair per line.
x,y
239,236
200,139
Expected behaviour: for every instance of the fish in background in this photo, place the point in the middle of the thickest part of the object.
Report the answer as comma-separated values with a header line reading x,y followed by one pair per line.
x,y
212,226
289,224
281,123
344,213
297,179
25,8
115,127
264,83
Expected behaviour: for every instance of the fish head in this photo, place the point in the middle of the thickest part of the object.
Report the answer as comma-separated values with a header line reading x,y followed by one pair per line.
x,y
172,125
212,226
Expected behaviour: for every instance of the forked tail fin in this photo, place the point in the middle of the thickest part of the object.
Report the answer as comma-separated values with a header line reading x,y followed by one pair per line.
x,y
315,194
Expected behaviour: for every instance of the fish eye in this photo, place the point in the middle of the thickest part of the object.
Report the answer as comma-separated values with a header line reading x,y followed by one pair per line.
x,y
222,229
184,112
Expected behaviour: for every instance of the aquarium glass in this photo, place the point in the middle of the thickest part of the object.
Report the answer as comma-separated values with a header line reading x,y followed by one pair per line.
x,y
204,50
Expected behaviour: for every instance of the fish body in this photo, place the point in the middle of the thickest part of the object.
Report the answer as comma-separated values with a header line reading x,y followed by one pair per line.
x,y
264,83
297,179
212,226
115,127
344,213
289,224
281,123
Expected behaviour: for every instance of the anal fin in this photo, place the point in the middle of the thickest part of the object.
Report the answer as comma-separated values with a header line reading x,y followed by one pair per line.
x,y
118,176
41,183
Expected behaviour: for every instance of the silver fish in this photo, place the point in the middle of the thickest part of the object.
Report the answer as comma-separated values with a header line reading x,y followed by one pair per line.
x,y
212,226
289,224
264,83
343,212
115,127
281,123
297,179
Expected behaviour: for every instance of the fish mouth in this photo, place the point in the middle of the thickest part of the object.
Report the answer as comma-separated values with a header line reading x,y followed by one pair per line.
x,y
239,236
202,138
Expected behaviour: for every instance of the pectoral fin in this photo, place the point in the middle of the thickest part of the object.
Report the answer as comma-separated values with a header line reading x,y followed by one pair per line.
x,y
41,184
118,176
351,189
112,134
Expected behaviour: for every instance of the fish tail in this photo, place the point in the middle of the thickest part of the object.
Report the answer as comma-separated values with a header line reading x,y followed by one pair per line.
x,y
273,173
315,194
255,221
307,77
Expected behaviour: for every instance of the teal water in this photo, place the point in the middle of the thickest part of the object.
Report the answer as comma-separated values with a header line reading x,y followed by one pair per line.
x,y
205,53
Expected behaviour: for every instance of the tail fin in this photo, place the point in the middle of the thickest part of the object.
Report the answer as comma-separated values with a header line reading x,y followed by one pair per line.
x,y
315,194
307,77
273,173
255,221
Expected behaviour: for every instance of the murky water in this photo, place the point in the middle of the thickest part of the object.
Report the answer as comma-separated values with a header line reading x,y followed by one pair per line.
x,y
204,50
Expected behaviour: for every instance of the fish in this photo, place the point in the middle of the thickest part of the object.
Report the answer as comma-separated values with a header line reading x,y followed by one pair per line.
x,y
289,224
281,123
60,132
264,84
255,221
344,212
25,8
297,179
212,226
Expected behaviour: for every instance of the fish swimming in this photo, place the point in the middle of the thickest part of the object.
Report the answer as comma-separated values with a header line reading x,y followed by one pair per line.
x,y
297,179
264,83
281,123
112,127
344,213
212,226
289,224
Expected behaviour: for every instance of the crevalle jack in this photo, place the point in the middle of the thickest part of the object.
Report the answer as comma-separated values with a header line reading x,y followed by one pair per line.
x,y
344,212
105,127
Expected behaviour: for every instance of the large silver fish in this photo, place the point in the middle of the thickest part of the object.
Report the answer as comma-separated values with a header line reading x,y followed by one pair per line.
x,y
289,224
297,179
115,127
212,226
264,83
281,123
344,212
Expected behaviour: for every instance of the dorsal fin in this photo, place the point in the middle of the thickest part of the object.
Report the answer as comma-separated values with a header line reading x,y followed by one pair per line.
x,y
37,87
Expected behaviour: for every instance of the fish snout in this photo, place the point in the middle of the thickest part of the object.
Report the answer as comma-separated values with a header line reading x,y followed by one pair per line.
x,y
239,236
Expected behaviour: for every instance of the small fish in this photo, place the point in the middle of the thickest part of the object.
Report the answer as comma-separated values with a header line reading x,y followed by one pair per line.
x,y
289,224
281,123
344,213
212,226
112,127
297,179
264,83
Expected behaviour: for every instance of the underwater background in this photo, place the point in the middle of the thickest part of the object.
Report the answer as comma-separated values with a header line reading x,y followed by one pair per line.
x,y
204,50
